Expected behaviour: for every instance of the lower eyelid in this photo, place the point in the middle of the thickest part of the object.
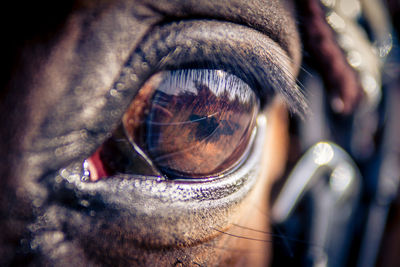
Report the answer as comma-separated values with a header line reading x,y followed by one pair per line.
x,y
135,201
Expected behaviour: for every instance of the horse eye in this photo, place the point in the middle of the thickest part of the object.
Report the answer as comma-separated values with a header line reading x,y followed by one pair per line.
x,y
193,123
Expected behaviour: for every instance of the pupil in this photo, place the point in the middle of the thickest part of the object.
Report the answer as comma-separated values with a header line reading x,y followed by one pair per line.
x,y
198,123
206,126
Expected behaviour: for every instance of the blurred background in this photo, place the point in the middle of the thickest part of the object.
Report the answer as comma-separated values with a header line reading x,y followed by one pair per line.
x,y
338,204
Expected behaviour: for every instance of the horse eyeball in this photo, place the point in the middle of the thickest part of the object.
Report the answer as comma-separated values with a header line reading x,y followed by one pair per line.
x,y
193,123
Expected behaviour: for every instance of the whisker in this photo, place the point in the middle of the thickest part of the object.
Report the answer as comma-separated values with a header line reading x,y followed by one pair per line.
x,y
285,241
303,68
254,230
235,249
285,237
243,237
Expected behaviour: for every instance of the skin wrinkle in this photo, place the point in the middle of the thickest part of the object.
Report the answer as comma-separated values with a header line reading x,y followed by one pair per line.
x,y
88,54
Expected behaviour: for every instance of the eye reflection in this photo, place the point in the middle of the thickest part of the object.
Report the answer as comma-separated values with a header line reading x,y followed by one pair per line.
x,y
198,122
186,124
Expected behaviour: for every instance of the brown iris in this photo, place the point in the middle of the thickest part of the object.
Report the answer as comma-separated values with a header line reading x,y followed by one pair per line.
x,y
193,123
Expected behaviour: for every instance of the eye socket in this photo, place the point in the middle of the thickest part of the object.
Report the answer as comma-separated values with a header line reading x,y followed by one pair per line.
x,y
193,123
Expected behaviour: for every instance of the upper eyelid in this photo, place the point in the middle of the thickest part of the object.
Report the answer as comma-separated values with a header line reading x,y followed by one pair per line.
x,y
256,59
272,19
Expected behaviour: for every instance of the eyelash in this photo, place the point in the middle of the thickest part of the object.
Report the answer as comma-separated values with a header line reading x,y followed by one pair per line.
x,y
262,64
